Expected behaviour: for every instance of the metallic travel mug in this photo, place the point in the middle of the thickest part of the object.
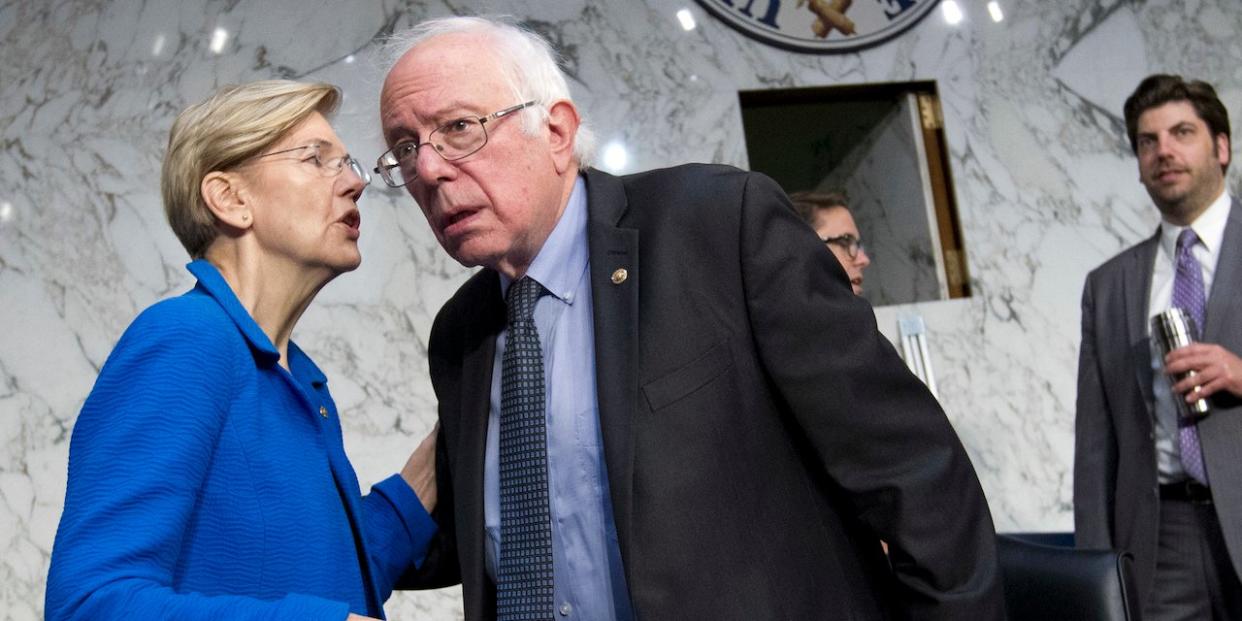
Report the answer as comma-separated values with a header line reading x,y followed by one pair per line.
x,y
1172,329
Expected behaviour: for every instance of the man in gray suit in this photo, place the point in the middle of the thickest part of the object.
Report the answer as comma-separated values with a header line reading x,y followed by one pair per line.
x,y
1168,491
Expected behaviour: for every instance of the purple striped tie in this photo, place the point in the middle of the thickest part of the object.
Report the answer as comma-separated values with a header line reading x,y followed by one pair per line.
x,y
1188,295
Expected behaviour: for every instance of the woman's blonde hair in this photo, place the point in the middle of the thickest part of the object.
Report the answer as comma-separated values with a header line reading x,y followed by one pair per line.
x,y
235,124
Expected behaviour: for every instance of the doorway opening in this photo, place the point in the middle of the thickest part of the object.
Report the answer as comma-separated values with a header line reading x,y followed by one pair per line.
x,y
883,145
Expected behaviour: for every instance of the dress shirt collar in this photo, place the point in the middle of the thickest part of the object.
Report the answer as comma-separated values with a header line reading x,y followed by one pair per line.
x,y
563,257
217,288
1209,226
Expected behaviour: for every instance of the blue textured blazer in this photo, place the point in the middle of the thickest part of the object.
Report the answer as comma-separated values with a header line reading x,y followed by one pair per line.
x,y
207,482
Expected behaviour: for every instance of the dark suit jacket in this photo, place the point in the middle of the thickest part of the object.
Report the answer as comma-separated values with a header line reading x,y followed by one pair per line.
x,y
1116,497
760,435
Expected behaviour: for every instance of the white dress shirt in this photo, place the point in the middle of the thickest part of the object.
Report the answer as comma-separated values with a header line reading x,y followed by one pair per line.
x,y
1210,227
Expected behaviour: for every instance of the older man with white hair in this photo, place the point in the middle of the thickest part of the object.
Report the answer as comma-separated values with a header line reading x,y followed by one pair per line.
x,y
660,398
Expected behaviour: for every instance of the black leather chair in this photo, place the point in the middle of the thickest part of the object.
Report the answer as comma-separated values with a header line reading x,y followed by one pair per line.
x,y
1050,583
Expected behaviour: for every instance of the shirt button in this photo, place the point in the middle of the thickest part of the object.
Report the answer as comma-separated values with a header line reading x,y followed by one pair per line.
x,y
566,609
323,411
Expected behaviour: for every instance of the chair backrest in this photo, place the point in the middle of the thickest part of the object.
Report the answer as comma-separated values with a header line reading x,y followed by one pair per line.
x,y
1066,584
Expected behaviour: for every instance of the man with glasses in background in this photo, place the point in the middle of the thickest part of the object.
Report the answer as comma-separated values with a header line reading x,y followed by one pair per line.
x,y
829,214
658,399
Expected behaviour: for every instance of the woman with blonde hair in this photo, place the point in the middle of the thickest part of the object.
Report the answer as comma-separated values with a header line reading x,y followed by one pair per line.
x,y
207,475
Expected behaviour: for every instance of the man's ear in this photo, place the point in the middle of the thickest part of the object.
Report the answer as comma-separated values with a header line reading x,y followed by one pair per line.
x,y
1223,154
221,192
563,121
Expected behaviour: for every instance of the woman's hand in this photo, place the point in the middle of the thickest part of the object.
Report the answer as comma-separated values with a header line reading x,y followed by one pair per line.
x,y
420,470
354,617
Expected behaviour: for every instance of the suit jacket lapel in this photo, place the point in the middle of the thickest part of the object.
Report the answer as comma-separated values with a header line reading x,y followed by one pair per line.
x,y
478,358
1221,430
615,314
1137,292
1225,289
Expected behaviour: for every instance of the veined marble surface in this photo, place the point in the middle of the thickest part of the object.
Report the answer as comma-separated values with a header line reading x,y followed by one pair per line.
x,y
1046,187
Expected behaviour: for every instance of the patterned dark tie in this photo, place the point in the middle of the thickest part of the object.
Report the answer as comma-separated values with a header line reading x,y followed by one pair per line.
x,y
1188,295
524,581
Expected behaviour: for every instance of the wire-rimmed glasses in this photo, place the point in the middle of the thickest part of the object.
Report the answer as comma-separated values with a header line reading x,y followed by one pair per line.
x,y
453,140
327,167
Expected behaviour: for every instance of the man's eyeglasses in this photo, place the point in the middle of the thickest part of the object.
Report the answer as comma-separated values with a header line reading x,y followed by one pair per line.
x,y
852,245
326,167
453,141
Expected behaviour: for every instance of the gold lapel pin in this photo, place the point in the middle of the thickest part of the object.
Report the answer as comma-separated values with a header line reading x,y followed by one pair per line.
x,y
619,276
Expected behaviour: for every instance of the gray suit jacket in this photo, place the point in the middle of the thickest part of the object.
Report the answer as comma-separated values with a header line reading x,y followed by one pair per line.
x,y
1116,495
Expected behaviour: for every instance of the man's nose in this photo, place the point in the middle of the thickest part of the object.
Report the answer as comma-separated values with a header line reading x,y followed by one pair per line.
x,y
861,259
430,167
1164,145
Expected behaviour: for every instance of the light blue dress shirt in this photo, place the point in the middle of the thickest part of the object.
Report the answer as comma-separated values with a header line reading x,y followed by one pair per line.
x,y
590,581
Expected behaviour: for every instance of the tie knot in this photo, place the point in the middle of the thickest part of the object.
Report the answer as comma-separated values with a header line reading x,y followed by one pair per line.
x,y
1187,239
521,298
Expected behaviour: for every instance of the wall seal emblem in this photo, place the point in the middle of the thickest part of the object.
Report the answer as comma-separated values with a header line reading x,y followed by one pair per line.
x,y
820,26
